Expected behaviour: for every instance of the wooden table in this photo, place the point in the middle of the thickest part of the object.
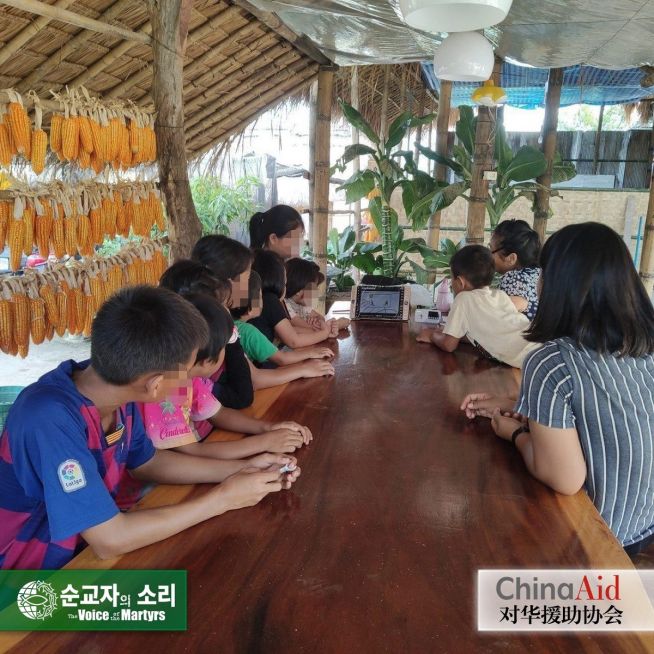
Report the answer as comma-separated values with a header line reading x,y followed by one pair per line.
x,y
376,548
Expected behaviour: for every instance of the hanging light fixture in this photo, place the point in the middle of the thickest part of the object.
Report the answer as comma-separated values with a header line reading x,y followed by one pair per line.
x,y
453,15
464,57
489,95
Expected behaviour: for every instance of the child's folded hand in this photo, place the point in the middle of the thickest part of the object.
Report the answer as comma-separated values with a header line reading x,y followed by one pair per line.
x,y
343,323
505,423
315,320
268,460
318,368
294,426
284,441
250,485
483,404
319,353
333,328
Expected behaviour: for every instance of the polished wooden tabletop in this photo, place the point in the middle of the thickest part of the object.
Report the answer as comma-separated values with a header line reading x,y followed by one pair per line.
x,y
376,547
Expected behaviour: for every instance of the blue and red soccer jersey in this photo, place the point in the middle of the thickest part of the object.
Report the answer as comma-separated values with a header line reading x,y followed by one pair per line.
x,y
59,471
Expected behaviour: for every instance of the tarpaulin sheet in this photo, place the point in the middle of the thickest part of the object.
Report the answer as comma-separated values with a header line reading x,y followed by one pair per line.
x,y
555,33
525,86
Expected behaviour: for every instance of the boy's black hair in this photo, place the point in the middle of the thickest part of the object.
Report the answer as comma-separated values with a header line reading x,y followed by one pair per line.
x,y
278,220
186,276
226,257
218,321
475,264
516,236
254,291
300,273
270,267
141,330
591,292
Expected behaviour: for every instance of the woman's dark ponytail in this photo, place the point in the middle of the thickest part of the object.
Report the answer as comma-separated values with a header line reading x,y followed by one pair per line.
x,y
278,220
257,237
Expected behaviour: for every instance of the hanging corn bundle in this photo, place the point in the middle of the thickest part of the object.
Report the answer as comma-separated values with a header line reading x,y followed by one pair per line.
x,y
69,220
66,297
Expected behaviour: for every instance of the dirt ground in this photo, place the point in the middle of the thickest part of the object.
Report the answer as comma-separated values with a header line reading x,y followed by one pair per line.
x,y
15,371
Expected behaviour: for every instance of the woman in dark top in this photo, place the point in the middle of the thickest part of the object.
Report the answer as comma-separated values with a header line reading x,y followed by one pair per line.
x,y
274,321
279,229
585,414
516,247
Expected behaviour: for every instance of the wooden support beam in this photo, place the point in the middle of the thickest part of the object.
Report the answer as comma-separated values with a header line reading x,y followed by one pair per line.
x,y
273,22
321,167
70,17
237,99
598,138
313,120
109,58
230,130
550,121
69,47
199,33
440,171
18,41
170,20
356,162
647,257
483,161
384,105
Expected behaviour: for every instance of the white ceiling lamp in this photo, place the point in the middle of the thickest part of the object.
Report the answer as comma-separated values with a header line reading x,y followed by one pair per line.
x,y
453,15
464,57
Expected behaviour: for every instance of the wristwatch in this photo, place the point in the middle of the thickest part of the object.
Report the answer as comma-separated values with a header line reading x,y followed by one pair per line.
x,y
523,429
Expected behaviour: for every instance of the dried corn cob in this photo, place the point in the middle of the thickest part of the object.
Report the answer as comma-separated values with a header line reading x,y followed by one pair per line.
x,y
37,320
5,216
28,229
62,306
20,125
21,318
85,135
6,326
56,122
96,220
42,231
84,159
58,237
70,235
6,150
70,138
15,243
39,147
84,243
46,293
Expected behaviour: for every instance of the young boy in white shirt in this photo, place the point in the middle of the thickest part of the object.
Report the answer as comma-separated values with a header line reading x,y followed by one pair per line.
x,y
486,317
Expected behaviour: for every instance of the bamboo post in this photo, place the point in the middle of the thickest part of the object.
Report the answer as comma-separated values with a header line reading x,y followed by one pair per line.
x,y
647,257
384,105
71,18
552,102
170,19
440,172
483,161
356,163
321,167
313,119
598,135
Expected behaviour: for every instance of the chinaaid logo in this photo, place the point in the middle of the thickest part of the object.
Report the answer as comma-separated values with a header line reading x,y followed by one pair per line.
x,y
37,600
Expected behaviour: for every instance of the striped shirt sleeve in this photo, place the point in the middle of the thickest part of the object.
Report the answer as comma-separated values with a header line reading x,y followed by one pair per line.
x,y
546,390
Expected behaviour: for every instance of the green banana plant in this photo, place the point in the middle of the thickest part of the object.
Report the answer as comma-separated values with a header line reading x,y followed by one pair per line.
x,y
515,172
381,182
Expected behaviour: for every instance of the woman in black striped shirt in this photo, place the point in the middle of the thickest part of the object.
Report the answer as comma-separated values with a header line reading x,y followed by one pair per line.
x,y
585,414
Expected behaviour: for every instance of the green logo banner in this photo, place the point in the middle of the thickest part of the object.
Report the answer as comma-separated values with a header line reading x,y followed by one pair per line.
x,y
92,600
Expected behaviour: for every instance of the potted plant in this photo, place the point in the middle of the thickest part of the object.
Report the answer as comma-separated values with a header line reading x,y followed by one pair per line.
x,y
340,252
384,260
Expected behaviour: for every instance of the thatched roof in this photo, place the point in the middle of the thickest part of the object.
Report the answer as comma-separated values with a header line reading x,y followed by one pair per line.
x,y
235,68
